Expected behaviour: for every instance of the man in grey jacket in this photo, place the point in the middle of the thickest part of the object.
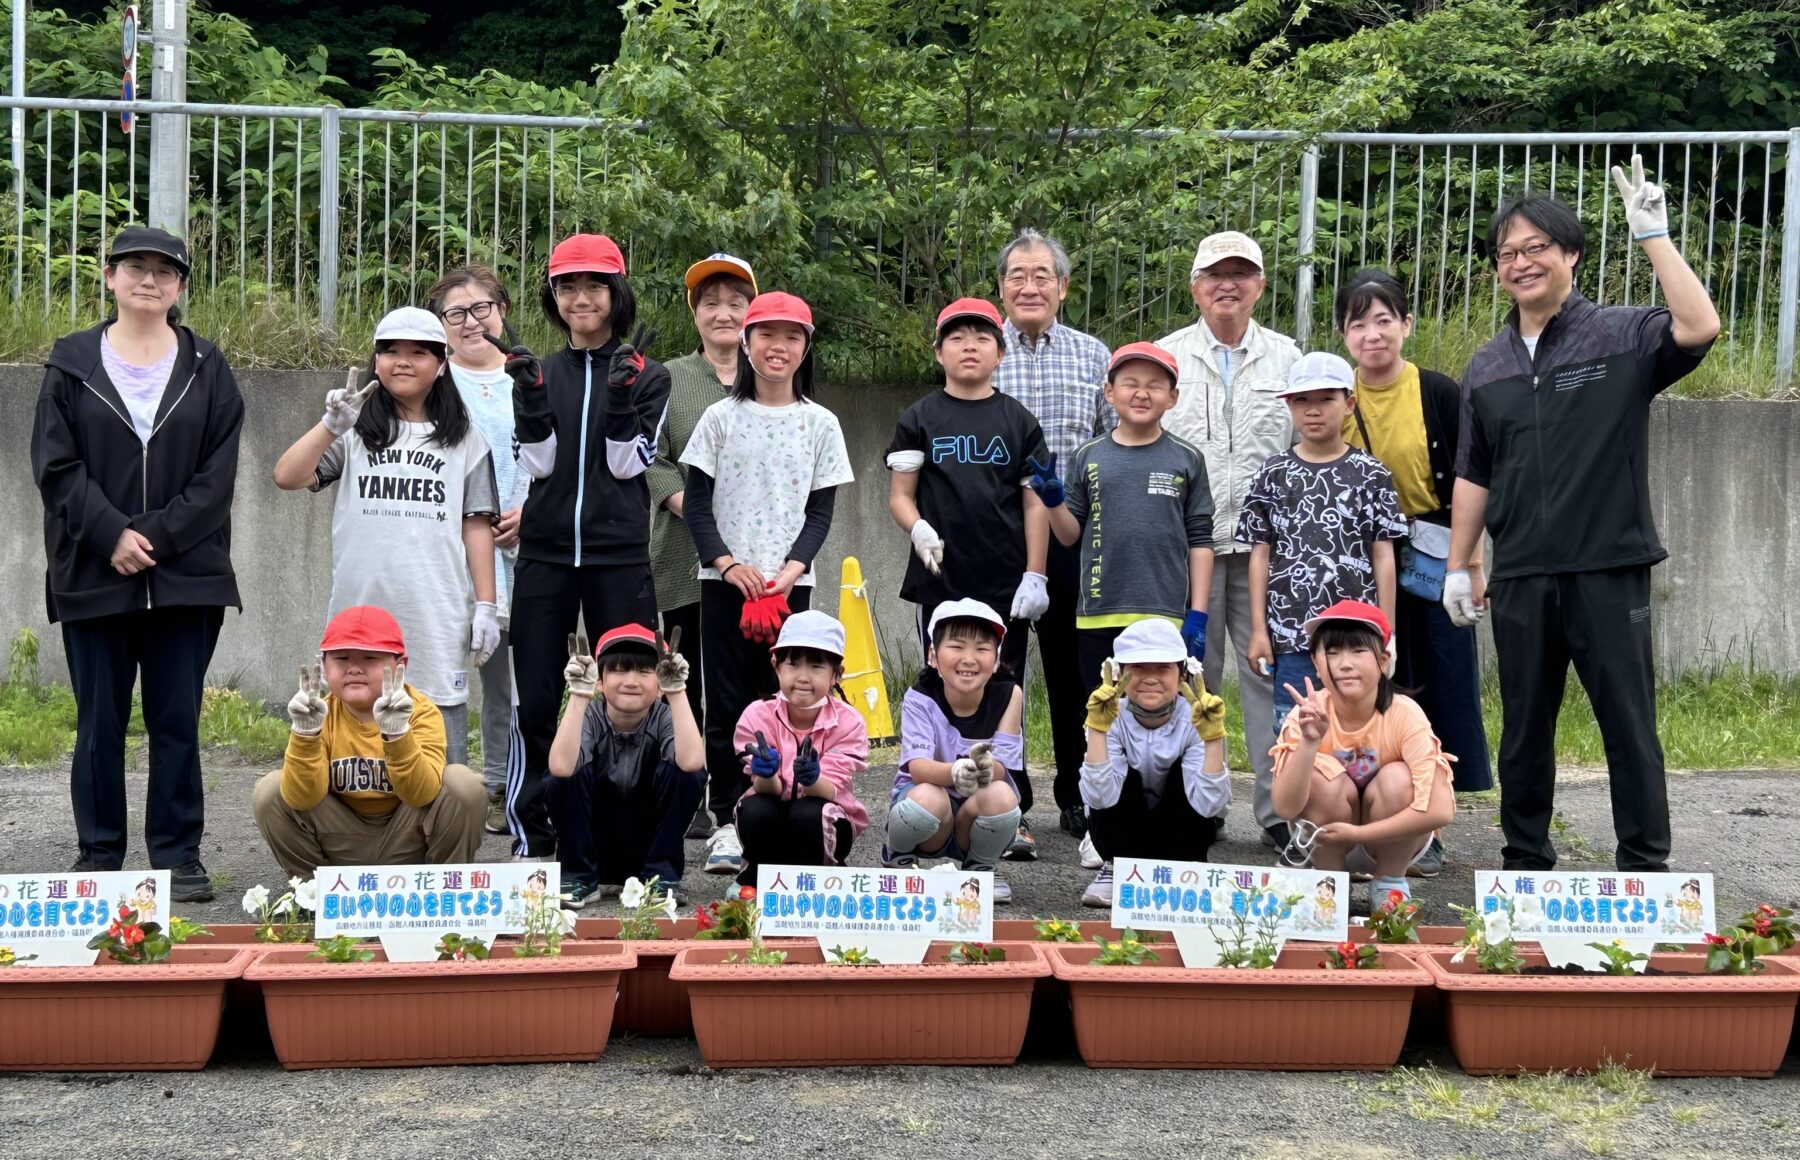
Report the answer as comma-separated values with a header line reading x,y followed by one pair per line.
x,y
1230,406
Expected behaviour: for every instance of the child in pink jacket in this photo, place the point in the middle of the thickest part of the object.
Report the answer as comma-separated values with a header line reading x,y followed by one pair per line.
x,y
802,749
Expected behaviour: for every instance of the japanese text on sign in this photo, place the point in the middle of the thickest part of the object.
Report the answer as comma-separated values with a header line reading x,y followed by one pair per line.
x,y
1606,904
1158,895
370,901
76,907
835,901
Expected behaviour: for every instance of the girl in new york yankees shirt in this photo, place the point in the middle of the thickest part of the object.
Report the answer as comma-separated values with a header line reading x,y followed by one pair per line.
x,y
412,526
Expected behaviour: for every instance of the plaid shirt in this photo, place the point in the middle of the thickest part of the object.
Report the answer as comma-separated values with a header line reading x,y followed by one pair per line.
x,y
1061,378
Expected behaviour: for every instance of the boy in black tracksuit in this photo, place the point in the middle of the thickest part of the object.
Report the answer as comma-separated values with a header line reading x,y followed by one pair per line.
x,y
586,434
100,478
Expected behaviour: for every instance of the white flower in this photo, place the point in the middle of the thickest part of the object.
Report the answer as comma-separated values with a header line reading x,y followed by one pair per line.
x,y
632,896
307,894
1496,927
294,883
565,920
284,904
255,899
1460,955
669,905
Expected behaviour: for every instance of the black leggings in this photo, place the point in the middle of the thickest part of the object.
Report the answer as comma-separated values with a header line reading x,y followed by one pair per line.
x,y
737,672
1132,828
787,832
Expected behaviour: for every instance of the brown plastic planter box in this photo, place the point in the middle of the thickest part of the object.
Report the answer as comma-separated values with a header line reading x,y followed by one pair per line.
x,y
1050,1033
1687,1024
804,1013
649,1003
158,1017
500,1010
1294,1017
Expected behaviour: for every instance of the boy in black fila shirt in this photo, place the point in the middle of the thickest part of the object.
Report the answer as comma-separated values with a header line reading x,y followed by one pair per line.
x,y
959,465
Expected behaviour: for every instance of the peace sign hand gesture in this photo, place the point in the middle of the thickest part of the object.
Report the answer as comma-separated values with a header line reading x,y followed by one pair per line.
x,y
628,361
671,666
307,709
1103,702
343,405
582,673
1646,210
393,709
523,366
1311,715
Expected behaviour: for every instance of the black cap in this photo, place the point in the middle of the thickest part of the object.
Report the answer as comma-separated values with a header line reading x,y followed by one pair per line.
x,y
146,240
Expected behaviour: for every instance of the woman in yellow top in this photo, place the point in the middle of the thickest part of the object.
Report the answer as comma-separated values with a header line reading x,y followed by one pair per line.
x,y
1409,419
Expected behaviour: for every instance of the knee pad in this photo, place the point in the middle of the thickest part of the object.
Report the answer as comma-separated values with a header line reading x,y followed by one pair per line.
x,y
991,834
909,824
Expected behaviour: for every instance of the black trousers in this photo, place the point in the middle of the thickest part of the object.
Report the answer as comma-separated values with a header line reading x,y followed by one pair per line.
x,y
547,598
1133,828
605,834
1065,683
171,647
1600,621
787,832
1437,662
737,672
1092,646
1015,654
687,618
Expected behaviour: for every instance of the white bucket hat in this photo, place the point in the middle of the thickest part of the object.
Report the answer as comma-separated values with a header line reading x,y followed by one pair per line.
x,y
1148,642
413,323
812,629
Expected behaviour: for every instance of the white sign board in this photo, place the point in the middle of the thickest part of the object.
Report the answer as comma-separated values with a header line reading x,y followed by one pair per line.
x,y
409,908
1206,904
892,914
1566,910
46,920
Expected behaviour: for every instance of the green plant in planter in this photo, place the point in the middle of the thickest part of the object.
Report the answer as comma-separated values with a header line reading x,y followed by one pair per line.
x,y
342,949
1619,960
1396,920
1352,956
974,952
1254,943
456,948
1763,931
135,943
287,919
851,957
546,925
734,919
1058,930
1490,936
1129,951
643,904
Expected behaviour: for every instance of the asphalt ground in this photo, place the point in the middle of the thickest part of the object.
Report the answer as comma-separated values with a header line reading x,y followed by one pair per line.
x,y
656,1097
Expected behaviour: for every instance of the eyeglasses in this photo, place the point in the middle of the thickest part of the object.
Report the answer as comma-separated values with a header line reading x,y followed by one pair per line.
x,y
1020,280
571,288
1505,257
479,311
137,270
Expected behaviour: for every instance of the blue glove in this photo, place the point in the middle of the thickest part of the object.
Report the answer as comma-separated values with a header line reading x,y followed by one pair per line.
x,y
765,759
1044,481
806,764
1193,632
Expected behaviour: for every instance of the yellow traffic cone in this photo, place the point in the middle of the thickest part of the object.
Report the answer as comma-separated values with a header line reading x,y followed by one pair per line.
x,y
863,680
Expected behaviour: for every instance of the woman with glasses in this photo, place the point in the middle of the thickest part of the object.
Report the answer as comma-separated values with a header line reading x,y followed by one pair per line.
x,y
135,448
474,307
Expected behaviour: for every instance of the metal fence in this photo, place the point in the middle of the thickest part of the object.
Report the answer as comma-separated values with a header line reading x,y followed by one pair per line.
x,y
331,213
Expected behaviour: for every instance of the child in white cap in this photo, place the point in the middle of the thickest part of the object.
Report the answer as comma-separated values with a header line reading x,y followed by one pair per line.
x,y
802,749
1154,780
960,744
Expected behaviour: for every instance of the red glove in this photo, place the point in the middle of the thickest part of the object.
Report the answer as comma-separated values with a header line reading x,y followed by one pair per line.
x,y
749,620
763,617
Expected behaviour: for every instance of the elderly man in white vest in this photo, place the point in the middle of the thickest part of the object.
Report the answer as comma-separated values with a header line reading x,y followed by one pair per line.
x,y
1232,373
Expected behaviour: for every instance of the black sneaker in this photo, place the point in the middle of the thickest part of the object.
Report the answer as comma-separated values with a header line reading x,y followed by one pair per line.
x,y
1276,836
87,864
1430,862
191,883
580,892
1024,846
1074,822
701,828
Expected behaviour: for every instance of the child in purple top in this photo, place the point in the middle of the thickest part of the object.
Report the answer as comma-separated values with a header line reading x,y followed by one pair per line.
x,y
961,740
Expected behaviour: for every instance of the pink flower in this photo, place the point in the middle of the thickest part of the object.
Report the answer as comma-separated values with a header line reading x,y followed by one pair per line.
x,y
1717,940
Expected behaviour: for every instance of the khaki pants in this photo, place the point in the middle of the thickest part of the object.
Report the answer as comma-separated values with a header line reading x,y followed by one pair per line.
x,y
448,830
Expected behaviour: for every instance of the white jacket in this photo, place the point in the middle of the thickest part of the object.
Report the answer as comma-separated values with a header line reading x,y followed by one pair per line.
x,y
1258,425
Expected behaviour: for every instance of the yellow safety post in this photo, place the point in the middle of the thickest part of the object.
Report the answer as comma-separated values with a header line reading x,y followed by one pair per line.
x,y
863,680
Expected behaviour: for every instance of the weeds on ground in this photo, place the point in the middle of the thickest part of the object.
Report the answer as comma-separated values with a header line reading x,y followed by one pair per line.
x,y
1591,1112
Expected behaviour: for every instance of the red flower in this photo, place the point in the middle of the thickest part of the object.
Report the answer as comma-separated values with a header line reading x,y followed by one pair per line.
x,y
702,919
1396,898
134,935
124,912
1762,926
1324,965
1717,940
1765,908
1347,949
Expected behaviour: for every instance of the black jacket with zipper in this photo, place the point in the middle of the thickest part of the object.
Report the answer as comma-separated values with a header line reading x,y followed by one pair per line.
x,y
1562,440
594,506
98,478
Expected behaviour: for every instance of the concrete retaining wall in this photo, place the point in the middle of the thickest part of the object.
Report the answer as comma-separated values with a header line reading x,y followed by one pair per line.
x,y
1722,473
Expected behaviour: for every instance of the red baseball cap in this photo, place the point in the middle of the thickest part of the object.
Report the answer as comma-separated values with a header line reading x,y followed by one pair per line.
x,y
978,308
586,254
1147,352
1357,611
365,628
778,306
625,636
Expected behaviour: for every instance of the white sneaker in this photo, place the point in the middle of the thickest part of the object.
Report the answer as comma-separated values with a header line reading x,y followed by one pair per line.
x,y
1099,893
724,853
1090,857
1002,888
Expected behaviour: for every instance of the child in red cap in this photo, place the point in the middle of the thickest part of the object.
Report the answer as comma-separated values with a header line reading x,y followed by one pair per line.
x,y
1357,765
364,780
626,765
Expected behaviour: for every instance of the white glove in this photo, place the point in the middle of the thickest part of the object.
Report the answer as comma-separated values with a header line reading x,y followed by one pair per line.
x,y
1032,599
393,709
982,754
582,673
1646,210
343,405
965,777
307,709
671,666
1459,599
928,546
484,634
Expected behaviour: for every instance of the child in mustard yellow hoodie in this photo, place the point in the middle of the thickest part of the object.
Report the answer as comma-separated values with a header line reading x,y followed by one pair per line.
x,y
364,781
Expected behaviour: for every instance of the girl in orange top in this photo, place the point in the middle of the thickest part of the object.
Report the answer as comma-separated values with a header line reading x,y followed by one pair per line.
x,y
1357,759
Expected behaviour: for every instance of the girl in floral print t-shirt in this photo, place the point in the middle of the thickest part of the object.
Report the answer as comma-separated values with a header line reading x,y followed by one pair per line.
x,y
763,469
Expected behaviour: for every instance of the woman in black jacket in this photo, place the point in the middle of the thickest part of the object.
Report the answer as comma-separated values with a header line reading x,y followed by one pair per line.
x,y
586,429
1408,418
135,449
